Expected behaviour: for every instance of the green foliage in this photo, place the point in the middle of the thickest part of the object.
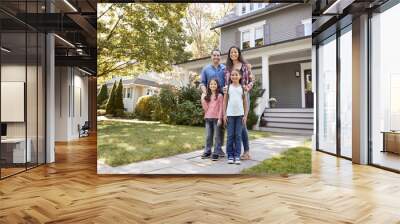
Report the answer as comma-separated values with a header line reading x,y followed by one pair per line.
x,y
110,103
168,104
188,113
255,93
143,37
293,161
144,108
119,103
102,96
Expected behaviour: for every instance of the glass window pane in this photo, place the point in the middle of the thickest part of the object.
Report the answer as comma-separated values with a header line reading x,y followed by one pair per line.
x,y
327,95
385,88
346,93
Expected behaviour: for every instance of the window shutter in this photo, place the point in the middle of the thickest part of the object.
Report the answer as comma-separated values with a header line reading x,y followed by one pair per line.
x,y
237,39
300,30
267,34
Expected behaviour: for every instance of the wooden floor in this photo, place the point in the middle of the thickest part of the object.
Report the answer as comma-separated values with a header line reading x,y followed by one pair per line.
x,y
70,191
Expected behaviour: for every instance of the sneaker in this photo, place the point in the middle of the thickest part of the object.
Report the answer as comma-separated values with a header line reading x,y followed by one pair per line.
x,y
214,157
245,156
230,161
206,155
221,154
237,161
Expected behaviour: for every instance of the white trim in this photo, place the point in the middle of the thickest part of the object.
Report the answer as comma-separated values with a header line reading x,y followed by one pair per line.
x,y
289,60
251,28
303,66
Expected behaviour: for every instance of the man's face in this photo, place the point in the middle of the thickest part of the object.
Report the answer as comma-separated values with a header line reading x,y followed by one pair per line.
x,y
216,57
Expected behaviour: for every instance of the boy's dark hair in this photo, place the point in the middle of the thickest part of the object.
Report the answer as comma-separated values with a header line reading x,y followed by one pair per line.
x,y
216,49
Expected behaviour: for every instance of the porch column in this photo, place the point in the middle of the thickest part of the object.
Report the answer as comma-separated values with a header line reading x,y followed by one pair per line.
x,y
263,101
265,77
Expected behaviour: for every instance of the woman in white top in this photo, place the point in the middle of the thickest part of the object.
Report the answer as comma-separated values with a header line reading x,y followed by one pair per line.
x,y
235,116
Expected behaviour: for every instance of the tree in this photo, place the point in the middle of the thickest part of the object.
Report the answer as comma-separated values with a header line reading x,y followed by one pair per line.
x,y
102,96
140,37
199,19
110,103
118,101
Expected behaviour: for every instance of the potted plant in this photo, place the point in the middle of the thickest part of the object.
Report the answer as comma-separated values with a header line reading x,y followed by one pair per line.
x,y
272,102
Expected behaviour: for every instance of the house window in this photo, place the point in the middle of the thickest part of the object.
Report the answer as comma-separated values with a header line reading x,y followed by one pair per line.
x,y
243,8
260,5
307,27
259,36
246,39
251,7
129,93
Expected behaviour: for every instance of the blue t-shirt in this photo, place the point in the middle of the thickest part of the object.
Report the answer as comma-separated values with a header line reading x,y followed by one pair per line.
x,y
210,72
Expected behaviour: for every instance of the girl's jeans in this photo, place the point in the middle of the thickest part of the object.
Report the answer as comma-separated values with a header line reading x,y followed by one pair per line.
x,y
234,142
212,131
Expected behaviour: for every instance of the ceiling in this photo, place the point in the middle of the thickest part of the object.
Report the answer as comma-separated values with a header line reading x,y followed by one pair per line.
x,y
73,22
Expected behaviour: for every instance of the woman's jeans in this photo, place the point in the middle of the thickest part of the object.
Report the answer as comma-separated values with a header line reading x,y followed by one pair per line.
x,y
235,129
212,131
245,135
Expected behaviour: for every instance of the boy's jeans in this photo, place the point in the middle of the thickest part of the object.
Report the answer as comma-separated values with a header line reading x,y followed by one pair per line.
x,y
234,142
211,130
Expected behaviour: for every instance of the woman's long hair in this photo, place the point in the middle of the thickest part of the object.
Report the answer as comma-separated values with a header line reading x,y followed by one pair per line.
x,y
229,62
209,93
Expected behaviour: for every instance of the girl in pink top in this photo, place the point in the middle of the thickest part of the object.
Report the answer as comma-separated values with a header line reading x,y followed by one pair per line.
x,y
213,114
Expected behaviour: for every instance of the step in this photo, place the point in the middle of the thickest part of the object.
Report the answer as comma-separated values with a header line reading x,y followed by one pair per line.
x,y
288,130
289,120
289,115
290,110
290,125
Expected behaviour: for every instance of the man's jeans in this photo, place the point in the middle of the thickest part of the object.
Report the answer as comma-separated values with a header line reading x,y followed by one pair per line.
x,y
235,129
212,129
245,134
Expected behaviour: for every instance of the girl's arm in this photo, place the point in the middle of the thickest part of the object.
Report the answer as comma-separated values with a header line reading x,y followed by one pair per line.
x,y
221,105
204,103
246,111
224,108
250,84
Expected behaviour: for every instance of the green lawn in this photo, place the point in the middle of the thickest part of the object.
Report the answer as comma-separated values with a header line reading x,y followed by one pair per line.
x,y
293,161
120,143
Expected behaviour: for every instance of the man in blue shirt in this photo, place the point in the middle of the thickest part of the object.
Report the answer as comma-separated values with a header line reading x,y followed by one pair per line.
x,y
215,70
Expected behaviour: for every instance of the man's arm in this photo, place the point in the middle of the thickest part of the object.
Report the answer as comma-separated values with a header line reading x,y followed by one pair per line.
x,y
203,81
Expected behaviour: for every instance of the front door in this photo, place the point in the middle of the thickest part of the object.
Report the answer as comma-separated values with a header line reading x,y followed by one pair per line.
x,y
309,96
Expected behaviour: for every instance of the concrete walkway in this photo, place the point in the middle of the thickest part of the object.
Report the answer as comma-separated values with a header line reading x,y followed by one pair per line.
x,y
191,163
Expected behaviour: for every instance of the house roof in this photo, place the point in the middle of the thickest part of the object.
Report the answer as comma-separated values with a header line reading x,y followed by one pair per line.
x,y
233,18
136,81
248,49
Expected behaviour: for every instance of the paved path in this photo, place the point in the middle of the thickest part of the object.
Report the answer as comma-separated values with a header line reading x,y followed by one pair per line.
x,y
191,163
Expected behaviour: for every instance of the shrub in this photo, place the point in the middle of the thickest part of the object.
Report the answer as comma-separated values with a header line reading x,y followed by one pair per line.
x,y
110,108
168,103
188,113
255,93
102,96
119,103
189,93
144,108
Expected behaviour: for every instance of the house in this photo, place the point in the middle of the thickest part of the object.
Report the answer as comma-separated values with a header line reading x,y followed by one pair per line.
x,y
276,39
133,88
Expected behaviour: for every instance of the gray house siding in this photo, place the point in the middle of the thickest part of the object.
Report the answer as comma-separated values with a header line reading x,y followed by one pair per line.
x,y
283,25
285,87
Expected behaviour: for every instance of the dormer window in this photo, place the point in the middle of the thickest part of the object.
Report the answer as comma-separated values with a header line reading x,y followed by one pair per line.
x,y
259,36
252,35
250,7
246,39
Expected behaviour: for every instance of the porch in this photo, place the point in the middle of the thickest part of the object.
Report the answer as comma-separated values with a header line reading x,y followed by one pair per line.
x,y
284,71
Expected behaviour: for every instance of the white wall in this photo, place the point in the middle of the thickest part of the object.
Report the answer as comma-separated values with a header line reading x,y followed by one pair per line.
x,y
71,87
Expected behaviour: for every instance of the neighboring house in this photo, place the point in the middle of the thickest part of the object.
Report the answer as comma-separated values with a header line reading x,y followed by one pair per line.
x,y
133,88
276,39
